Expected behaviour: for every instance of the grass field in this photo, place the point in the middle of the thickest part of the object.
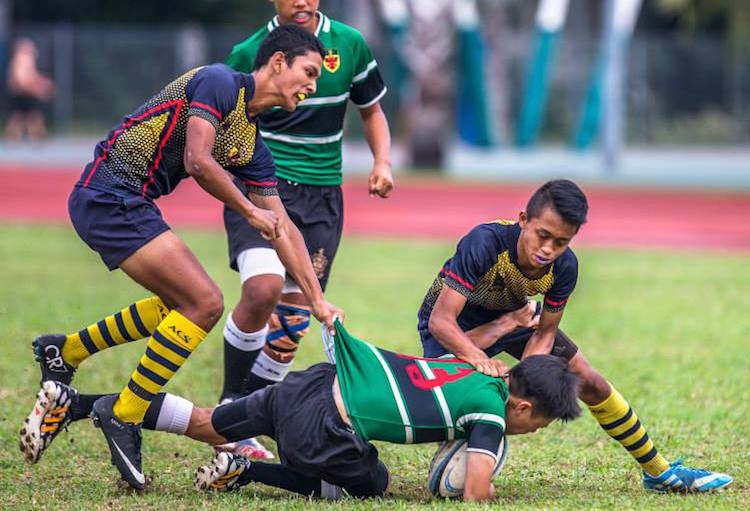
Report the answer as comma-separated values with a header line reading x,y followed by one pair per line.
x,y
670,330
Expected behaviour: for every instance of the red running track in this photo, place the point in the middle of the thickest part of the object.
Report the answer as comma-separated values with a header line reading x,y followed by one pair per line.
x,y
418,208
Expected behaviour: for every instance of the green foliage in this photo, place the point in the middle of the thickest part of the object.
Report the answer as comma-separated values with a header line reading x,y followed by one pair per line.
x,y
669,329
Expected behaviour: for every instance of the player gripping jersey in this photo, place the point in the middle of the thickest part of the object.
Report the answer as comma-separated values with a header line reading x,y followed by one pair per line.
x,y
203,125
478,306
485,270
324,418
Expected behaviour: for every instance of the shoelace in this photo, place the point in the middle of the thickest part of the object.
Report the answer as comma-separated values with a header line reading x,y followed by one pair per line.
x,y
693,471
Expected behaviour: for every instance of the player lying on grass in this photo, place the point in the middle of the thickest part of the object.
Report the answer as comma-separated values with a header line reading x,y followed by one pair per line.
x,y
471,310
202,125
324,418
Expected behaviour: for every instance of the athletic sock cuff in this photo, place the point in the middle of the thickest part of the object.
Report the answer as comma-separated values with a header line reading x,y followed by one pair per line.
x,y
179,328
174,416
612,399
269,369
244,341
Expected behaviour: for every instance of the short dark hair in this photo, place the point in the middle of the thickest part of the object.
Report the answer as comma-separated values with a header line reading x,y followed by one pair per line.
x,y
564,197
292,40
546,381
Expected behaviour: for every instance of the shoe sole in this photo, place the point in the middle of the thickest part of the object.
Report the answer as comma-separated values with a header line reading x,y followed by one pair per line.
x,y
687,489
32,444
215,476
206,475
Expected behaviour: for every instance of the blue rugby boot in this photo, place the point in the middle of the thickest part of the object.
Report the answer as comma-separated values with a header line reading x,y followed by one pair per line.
x,y
681,479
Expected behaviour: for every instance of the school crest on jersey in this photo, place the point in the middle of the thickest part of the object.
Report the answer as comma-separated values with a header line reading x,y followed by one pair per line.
x,y
332,60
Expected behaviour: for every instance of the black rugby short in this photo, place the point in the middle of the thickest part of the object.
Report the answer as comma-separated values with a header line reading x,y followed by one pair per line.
x,y
312,438
317,211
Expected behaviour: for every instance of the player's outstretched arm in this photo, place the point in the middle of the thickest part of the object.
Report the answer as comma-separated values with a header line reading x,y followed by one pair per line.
x,y
486,335
291,248
201,166
444,326
478,483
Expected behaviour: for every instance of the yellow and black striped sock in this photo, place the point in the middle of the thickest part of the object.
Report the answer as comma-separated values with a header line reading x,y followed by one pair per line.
x,y
135,322
168,348
621,423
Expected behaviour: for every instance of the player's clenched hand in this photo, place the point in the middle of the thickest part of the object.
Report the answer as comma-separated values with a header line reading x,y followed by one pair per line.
x,y
488,366
381,181
526,316
326,312
266,222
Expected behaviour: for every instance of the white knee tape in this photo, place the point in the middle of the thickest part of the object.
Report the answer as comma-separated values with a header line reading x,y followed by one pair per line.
x,y
244,341
259,261
269,369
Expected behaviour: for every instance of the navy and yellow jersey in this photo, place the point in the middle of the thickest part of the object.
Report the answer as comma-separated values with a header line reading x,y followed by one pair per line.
x,y
485,270
306,143
409,400
144,153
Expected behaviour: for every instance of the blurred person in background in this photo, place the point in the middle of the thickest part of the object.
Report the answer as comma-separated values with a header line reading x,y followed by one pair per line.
x,y
28,90
263,331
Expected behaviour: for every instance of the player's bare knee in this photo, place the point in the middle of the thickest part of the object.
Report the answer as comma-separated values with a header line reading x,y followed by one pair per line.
x,y
258,299
594,388
213,305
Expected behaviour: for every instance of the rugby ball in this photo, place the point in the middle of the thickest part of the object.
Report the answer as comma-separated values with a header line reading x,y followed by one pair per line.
x,y
448,468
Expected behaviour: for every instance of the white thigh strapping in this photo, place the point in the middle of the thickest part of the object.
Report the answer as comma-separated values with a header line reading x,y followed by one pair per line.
x,y
264,261
259,261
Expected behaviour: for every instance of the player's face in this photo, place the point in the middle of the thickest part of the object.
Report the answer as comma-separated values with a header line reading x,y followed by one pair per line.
x,y
525,422
297,81
520,417
543,239
297,12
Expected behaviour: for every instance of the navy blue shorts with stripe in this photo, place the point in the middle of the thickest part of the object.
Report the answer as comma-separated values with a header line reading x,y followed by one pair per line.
x,y
114,224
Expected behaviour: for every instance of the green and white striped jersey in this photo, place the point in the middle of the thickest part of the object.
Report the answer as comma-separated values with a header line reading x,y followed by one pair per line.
x,y
306,143
403,399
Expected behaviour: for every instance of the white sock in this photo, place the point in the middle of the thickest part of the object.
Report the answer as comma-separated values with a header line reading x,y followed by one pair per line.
x,y
244,341
269,369
174,415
